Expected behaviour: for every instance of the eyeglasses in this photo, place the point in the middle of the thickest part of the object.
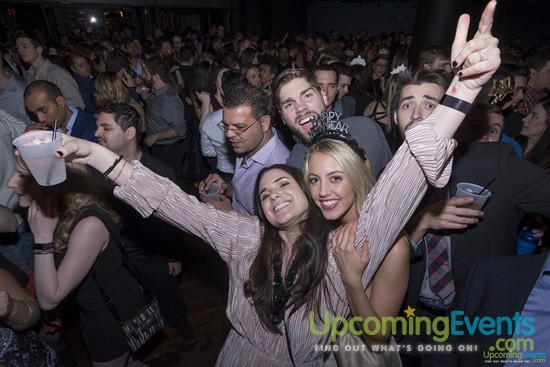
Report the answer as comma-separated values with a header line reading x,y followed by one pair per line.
x,y
236,130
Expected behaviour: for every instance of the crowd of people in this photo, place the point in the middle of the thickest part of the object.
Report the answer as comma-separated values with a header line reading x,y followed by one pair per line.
x,y
336,166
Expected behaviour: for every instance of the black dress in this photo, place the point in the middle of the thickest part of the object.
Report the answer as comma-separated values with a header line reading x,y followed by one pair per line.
x,y
101,332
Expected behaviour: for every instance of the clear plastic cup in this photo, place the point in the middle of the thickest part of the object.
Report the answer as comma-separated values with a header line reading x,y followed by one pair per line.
x,y
465,189
213,192
37,150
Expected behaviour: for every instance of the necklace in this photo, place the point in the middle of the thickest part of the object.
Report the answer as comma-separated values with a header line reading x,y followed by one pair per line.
x,y
281,290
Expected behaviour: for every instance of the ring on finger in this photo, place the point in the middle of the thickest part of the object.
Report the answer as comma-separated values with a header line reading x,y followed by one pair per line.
x,y
481,54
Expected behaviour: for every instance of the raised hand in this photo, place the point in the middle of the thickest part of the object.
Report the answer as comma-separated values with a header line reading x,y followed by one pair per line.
x,y
42,219
350,262
478,59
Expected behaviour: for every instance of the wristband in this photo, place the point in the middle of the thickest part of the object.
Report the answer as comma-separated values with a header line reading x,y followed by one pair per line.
x,y
110,169
43,246
120,172
455,103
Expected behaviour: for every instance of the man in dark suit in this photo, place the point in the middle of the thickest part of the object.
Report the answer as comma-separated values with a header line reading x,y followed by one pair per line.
x,y
497,287
44,99
469,234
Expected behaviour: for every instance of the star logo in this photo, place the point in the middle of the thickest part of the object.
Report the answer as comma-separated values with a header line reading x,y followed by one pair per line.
x,y
409,311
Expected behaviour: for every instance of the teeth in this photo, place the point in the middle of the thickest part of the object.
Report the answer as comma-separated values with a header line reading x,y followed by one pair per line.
x,y
281,206
329,202
306,120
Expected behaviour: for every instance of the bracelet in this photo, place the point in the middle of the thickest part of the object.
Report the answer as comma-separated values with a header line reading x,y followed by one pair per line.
x,y
42,246
110,169
42,252
456,104
120,172
29,317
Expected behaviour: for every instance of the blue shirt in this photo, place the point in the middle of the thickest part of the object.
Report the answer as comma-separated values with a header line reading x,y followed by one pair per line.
x,y
244,180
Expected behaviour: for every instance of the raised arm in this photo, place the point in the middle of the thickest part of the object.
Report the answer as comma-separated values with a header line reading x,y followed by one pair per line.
x,y
229,233
474,63
426,154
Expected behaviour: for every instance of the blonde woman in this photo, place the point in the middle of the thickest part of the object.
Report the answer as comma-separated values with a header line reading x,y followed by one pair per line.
x,y
72,220
109,89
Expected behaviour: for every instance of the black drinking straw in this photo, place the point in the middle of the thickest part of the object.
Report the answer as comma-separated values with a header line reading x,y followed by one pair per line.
x,y
486,186
54,130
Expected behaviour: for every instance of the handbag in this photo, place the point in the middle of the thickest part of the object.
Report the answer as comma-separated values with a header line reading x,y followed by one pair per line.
x,y
144,325
148,320
359,354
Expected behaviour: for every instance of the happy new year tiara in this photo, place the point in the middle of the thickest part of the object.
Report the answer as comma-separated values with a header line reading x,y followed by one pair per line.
x,y
327,125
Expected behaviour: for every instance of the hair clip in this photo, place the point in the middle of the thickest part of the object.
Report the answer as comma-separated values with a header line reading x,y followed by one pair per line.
x,y
327,125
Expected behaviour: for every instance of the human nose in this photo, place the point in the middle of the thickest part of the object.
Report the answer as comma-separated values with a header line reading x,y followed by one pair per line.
x,y
11,182
274,194
41,117
323,189
230,133
416,114
300,106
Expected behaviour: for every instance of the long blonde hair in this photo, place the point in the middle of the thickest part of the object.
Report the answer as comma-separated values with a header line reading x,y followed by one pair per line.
x,y
110,89
357,171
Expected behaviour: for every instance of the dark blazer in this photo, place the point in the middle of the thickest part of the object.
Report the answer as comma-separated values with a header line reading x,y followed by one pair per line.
x,y
496,287
84,126
520,187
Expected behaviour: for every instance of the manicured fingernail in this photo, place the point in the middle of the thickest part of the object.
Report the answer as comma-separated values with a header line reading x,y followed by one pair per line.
x,y
455,64
460,73
60,153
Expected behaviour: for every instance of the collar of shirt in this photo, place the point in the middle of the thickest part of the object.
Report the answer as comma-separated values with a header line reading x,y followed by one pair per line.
x,y
70,124
263,154
161,90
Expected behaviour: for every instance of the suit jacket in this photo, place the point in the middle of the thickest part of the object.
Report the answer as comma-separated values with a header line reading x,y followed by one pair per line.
x,y
84,126
496,287
520,187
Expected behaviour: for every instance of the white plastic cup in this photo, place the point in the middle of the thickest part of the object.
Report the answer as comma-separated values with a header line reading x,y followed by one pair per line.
x,y
213,192
465,189
37,150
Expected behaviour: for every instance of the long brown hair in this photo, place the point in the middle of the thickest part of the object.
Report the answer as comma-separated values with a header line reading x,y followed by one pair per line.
x,y
540,154
310,254
69,199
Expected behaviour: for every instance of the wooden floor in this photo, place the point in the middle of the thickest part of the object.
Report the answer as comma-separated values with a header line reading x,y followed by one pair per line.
x,y
204,285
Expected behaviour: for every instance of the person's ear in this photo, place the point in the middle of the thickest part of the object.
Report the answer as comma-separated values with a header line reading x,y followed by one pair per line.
x,y
395,118
60,100
266,123
131,133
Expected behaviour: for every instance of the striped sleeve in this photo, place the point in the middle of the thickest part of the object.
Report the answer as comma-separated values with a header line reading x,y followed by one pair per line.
x,y
424,158
232,235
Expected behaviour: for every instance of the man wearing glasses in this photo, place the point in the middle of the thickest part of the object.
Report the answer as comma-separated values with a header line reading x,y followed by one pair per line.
x,y
247,126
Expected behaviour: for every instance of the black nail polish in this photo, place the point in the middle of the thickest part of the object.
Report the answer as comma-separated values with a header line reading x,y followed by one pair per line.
x,y
60,153
460,73
455,64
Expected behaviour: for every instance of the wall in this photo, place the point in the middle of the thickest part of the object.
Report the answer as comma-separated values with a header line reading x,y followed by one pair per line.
x,y
324,16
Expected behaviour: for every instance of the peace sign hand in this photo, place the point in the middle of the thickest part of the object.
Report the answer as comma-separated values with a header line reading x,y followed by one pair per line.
x,y
478,59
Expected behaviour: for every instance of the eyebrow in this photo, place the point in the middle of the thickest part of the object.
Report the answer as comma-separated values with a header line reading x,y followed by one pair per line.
x,y
301,94
277,180
427,96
